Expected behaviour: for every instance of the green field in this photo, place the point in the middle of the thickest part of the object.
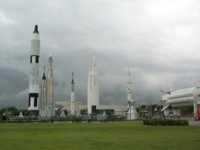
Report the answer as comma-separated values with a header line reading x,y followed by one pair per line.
x,y
97,136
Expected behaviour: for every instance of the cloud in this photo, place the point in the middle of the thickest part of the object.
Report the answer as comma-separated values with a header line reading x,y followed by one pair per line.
x,y
5,20
159,39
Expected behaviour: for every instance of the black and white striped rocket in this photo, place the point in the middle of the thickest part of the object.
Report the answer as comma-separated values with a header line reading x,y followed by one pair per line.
x,y
34,75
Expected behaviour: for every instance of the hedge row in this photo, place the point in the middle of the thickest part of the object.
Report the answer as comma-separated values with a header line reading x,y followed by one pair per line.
x,y
166,122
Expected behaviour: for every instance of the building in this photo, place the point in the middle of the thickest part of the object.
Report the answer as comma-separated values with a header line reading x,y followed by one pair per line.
x,y
118,109
66,105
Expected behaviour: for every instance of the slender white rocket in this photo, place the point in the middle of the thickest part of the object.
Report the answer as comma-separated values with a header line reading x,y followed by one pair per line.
x,y
43,96
130,88
132,113
93,87
72,95
34,75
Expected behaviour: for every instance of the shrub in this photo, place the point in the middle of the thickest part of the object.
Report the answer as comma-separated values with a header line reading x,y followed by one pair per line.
x,y
166,122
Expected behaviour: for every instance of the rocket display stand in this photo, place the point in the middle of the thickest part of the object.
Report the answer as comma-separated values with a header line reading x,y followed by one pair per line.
x,y
198,112
131,113
196,107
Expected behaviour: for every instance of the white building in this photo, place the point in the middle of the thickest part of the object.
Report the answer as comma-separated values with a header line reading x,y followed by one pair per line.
x,y
77,106
118,109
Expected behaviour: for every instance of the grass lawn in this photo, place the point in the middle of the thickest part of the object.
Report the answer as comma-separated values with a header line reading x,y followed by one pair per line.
x,y
97,136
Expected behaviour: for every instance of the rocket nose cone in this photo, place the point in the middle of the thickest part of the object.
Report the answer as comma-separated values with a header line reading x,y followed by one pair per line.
x,y
43,76
36,29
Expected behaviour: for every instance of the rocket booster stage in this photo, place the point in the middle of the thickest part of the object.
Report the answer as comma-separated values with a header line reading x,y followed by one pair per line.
x,y
34,75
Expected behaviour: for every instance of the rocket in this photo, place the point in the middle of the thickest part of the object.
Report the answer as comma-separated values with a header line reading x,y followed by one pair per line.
x,y
43,96
50,88
130,87
131,113
72,95
93,87
46,107
34,75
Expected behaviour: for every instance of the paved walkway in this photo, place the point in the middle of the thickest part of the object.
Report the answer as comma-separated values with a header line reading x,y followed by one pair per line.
x,y
194,123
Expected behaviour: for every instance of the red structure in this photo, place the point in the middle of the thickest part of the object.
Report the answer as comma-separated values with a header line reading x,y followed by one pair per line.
x,y
198,112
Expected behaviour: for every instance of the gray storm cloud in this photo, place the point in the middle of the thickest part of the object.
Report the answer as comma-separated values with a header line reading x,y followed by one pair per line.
x,y
158,39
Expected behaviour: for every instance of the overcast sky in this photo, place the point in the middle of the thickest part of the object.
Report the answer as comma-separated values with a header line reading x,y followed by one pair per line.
x,y
159,40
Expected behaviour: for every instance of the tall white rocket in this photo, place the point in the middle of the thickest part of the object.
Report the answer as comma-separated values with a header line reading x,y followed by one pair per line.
x,y
73,95
130,96
132,113
50,88
34,76
93,87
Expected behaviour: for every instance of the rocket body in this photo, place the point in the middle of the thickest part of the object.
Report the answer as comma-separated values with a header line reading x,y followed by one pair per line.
x,y
46,107
34,74
73,103
50,89
43,97
72,96
93,87
132,113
